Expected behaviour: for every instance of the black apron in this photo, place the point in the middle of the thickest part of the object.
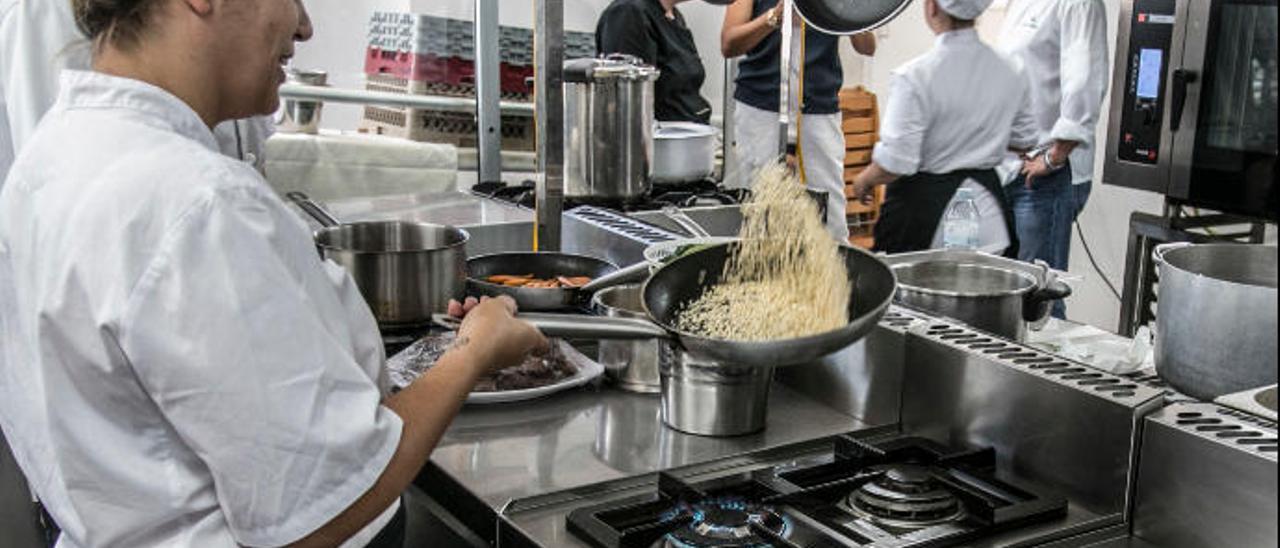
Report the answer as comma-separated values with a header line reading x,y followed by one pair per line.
x,y
914,206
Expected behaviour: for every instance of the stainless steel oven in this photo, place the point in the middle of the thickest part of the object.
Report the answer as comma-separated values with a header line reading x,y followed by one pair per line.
x,y
1193,103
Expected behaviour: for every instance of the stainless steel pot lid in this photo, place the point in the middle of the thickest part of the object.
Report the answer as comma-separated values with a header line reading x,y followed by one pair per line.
x,y
615,66
958,279
846,17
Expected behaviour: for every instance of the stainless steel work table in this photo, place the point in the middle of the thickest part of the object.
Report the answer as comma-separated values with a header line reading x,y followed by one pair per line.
x,y
494,454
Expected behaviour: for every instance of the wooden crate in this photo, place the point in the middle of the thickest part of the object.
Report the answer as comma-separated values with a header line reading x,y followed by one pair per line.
x,y
861,128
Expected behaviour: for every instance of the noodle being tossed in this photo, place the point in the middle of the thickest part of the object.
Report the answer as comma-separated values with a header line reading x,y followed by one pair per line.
x,y
786,279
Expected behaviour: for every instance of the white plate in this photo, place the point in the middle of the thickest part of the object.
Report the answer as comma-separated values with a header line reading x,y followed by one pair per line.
x,y
588,370
405,367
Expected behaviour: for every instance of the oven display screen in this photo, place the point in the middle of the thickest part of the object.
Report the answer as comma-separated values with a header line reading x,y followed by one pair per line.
x,y
1149,61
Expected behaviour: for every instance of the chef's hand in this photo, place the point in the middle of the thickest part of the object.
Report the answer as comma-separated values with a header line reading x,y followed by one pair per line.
x,y
493,335
1035,168
864,191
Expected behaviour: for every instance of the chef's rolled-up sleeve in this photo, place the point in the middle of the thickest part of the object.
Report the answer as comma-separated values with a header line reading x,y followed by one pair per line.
x,y
1084,57
222,335
901,129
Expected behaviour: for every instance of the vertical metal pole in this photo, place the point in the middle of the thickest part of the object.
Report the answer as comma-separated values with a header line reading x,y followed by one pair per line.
x,y
729,137
548,43
488,91
784,79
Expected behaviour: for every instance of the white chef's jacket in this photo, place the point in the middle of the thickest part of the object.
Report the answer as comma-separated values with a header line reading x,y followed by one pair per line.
x,y
1061,45
959,106
177,365
39,39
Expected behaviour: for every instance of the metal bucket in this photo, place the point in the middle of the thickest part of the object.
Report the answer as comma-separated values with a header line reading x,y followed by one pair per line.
x,y
632,365
709,398
1216,317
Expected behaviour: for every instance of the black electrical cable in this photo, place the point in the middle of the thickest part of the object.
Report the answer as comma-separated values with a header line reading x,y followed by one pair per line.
x,y
1089,252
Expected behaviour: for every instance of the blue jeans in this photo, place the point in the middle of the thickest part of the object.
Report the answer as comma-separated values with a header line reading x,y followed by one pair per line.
x,y
1043,216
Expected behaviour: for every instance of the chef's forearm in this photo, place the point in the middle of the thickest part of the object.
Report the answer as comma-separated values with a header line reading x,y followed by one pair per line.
x,y
874,176
426,408
740,34
1061,150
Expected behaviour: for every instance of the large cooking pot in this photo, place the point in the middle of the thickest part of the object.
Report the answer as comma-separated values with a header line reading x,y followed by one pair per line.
x,y
1216,317
683,152
405,271
608,128
1000,301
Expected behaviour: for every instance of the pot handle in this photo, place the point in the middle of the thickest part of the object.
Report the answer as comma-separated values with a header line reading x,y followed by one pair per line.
x,y
578,326
1035,306
635,273
687,223
1157,253
313,209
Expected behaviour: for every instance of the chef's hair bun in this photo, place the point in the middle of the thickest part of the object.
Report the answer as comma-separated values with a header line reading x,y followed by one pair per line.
x,y
118,22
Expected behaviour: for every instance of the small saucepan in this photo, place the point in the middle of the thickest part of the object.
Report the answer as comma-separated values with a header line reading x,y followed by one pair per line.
x,y
406,271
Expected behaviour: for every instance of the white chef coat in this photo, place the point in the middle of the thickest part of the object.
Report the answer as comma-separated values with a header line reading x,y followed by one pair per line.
x,y
1061,46
959,106
177,365
38,39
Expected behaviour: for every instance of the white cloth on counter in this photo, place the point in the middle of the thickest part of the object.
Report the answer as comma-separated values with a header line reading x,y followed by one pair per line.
x,y
959,106
335,165
1062,48
177,365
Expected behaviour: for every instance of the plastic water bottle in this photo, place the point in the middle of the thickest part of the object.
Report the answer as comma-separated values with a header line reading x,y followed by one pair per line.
x,y
960,224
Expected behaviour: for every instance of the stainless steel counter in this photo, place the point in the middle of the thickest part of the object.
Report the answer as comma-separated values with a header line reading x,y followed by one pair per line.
x,y
494,226
492,455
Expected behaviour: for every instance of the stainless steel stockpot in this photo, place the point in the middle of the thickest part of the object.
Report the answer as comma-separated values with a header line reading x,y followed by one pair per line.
x,y
406,271
996,300
608,128
1216,317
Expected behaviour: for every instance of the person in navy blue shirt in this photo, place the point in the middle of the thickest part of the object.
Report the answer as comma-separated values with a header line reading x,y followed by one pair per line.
x,y
751,28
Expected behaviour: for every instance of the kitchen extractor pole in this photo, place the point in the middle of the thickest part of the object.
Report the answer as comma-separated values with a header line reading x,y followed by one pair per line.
x,y
728,134
548,45
784,79
488,92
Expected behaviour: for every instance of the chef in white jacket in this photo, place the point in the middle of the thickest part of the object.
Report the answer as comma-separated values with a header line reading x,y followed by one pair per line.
x,y
39,39
951,116
1062,48
178,367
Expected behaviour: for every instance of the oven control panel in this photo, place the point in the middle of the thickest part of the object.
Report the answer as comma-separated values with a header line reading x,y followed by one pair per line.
x,y
1147,59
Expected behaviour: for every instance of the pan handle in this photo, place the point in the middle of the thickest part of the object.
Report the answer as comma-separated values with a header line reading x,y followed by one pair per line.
x,y
685,221
313,209
635,273
578,326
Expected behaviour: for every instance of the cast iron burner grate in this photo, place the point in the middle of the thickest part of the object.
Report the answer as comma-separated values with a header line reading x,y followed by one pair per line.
x,y
904,496
901,492
725,522
693,194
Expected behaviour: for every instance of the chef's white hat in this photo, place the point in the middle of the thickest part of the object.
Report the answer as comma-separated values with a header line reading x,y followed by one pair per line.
x,y
964,9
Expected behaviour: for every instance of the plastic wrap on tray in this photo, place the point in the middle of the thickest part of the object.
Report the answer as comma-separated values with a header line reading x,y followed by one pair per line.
x,y
562,365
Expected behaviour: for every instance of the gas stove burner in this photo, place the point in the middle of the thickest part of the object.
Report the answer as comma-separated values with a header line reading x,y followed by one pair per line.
x,y
726,523
905,496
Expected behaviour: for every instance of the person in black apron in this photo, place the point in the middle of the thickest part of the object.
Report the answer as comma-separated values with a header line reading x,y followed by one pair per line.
x,y
656,32
951,116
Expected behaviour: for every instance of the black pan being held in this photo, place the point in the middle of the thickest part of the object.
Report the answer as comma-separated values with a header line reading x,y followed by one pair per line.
x,y
683,280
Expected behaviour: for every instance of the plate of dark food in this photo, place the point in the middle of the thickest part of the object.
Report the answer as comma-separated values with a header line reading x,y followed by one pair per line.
x,y
563,367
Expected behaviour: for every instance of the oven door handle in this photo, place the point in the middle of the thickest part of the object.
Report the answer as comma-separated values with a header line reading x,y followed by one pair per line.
x,y
1181,79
